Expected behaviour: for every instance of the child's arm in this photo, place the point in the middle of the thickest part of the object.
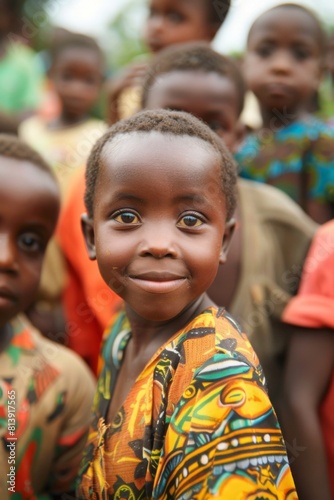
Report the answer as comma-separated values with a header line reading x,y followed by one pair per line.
x,y
131,77
308,374
77,418
319,212
319,165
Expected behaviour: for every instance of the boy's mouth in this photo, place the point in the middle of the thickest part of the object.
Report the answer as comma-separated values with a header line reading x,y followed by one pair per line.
x,y
158,282
6,296
278,89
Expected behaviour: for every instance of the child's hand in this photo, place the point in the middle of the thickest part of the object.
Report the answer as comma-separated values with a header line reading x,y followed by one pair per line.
x,y
132,76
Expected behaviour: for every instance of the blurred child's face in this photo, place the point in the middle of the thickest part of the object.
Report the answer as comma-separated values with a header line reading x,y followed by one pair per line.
x,y
177,21
211,97
282,64
159,221
77,75
29,204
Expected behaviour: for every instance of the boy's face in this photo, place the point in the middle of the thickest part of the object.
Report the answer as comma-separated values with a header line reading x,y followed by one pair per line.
x,y
211,97
282,64
29,205
177,21
77,76
159,221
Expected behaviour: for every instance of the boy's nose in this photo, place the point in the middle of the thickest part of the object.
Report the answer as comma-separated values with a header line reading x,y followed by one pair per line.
x,y
156,23
282,61
8,260
158,243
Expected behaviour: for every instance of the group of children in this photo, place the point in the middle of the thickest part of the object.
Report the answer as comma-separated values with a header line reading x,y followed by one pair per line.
x,y
170,240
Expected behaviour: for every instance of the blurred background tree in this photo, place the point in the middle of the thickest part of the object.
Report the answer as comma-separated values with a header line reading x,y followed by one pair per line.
x,y
124,42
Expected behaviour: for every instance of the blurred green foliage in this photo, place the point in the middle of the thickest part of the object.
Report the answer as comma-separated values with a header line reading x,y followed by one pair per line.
x,y
125,42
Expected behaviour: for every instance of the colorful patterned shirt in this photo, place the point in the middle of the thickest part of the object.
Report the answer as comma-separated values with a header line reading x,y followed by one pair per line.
x,y
196,424
46,393
298,159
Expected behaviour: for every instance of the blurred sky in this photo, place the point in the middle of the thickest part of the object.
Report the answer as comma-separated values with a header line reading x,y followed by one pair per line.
x,y
91,17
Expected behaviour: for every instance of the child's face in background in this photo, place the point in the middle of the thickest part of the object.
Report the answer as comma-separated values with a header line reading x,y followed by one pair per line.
x,y
282,64
159,221
29,205
77,76
211,97
177,21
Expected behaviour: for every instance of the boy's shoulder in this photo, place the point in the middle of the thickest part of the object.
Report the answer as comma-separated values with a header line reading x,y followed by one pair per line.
x,y
271,206
38,353
311,127
211,332
229,337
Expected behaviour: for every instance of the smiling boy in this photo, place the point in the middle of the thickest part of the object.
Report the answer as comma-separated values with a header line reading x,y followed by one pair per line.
x,y
181,409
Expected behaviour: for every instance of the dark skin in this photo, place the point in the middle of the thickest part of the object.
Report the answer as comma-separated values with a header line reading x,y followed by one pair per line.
x,y
28,215
139,352
77,74
169,22
309,371
212,98
142,234
283,67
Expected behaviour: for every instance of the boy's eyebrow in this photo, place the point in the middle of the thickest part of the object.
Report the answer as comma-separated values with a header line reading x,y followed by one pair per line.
x,y
123,195
35,226
187,197
193,198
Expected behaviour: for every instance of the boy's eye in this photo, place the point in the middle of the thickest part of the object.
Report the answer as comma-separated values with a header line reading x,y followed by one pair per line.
x,y
301,53
265,50
30,242
175,17
126,218
67,76
216,125
190,221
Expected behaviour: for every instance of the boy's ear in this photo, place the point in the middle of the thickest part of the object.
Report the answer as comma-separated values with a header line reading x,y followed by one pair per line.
x,y
89,236
229,231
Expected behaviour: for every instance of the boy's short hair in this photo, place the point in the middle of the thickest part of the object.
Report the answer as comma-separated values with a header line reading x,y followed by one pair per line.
x,y
302,8
12,147
197,57
69,40
166,122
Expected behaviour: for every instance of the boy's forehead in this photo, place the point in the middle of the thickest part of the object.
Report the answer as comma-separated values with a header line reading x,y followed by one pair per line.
x,y
157,166
37,188
153,151
74,53
126,144
181,83
32,177
166,4
304,21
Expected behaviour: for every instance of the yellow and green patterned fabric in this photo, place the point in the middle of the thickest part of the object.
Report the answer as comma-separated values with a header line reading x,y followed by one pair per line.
x,y
196,424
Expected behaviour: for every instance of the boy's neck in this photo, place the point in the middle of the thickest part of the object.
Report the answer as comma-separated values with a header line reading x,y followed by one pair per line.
x,y
6,334
145,332
66,121
276,119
